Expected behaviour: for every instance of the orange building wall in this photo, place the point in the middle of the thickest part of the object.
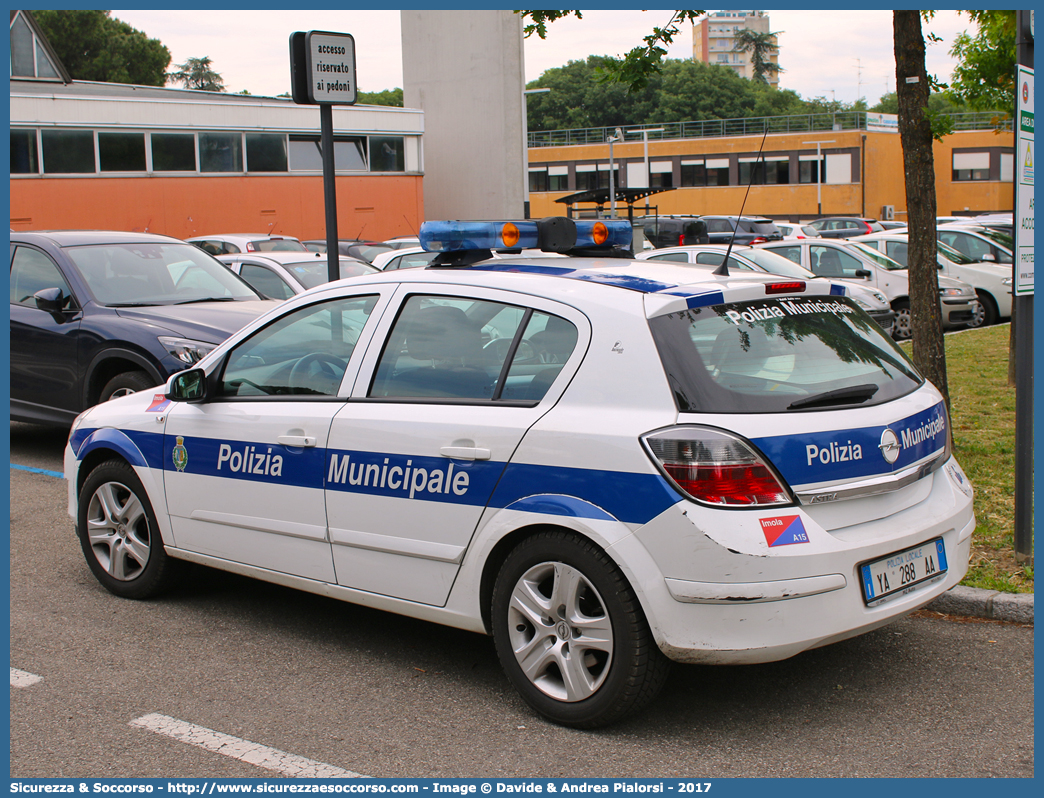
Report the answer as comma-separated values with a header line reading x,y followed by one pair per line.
x,y
373,207
883,182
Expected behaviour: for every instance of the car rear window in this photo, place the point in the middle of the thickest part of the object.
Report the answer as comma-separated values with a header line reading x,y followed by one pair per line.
x,y
762,228
780,355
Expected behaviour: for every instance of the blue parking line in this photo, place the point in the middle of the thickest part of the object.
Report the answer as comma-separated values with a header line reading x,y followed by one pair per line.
x,y
57,474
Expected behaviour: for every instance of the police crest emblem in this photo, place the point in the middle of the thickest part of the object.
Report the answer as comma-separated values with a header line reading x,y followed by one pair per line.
x,y
180,454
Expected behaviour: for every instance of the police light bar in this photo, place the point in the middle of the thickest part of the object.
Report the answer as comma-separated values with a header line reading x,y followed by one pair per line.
x,y
553,234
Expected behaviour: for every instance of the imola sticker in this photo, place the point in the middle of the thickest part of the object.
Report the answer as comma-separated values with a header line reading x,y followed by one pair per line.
x,y
783,530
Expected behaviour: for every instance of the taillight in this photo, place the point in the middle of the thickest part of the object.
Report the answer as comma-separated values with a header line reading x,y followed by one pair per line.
x,y
715,467
758,240
681,239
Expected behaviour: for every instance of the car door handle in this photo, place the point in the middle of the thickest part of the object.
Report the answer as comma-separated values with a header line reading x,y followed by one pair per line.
x,y
465,452
297,440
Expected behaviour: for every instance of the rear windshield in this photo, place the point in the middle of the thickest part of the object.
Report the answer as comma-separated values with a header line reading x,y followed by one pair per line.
x,y
764,227
780,355
277,245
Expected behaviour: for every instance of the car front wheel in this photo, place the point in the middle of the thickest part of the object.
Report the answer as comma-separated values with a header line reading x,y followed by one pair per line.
x,y
126,383
902,327
570,632
119,535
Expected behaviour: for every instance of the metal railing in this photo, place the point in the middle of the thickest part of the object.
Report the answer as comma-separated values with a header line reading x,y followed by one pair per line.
x,y
800,123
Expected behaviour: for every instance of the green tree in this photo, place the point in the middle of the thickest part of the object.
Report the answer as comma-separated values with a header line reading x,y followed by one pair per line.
x,y
939,102
761,47
386,97
915,130
984,77
92,45
196,73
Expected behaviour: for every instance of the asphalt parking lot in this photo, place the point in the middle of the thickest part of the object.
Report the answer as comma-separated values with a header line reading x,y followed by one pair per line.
x,y
309,679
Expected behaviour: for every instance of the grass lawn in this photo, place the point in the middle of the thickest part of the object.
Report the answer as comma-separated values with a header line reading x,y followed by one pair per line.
x,y
982,414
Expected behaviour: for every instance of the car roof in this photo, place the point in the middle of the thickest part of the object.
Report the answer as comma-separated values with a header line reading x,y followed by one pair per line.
x,y
75,238
286,257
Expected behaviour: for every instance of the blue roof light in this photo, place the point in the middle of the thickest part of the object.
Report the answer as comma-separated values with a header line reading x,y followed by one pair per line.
x,y
458,235
613,233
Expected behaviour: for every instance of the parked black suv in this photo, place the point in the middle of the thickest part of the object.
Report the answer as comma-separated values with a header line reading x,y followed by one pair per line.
x,y
674,231
748,229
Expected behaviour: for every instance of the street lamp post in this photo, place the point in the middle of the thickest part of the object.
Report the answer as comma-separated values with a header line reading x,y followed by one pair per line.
x,y
645,141
819,173
618,136
525,148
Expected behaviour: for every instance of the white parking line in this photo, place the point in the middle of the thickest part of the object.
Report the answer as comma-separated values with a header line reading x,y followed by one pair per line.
x,y
23,678
243,750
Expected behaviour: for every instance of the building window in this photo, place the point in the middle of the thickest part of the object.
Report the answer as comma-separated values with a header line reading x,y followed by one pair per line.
x,y
306,155
558,178
586,177
173,152
661,174
266,152
717,171
693,174
387,154
68,151
768,172
220,152
538,179
808,171
24,157
121,152
971,166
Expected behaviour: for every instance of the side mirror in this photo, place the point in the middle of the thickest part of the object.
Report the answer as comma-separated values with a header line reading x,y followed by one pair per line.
x,y
989,257
862,274
52,300
187,386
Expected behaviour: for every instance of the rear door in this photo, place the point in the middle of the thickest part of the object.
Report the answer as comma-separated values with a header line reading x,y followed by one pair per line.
x,y
446,392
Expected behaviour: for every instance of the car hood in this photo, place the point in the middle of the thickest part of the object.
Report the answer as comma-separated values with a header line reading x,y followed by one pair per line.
x,y
210,322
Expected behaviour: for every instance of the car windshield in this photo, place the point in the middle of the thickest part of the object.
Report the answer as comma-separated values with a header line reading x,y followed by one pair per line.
x,y
277,245
876,256
997,237
777,264
128,275
311,273
760,226
954,255
778,355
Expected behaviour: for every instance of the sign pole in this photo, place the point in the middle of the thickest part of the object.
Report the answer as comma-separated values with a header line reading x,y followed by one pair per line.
x,y
326,142
1022,267
322,72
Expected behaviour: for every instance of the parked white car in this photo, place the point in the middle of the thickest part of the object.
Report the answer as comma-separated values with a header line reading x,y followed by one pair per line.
x,y
977,242
405,258
856,262
741,258
280,275
234,243
791,231
992,281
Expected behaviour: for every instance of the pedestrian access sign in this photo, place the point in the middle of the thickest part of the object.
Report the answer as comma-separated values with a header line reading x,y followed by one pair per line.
x,y
322,68
1024,186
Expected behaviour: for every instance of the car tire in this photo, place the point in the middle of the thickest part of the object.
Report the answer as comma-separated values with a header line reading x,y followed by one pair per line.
x,y
986,312
571,634
902,326
126,383
119,534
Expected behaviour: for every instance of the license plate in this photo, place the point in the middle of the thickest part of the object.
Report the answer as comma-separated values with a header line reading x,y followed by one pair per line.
x,y
900,572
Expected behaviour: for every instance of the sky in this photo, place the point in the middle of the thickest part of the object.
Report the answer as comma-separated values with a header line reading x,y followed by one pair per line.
x,y
838,55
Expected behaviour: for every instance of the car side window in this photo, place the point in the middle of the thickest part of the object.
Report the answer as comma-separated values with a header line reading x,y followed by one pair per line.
x,y
304,353
677,257
830,262
715,259
457,349
266,281
790,253
32,271
897,251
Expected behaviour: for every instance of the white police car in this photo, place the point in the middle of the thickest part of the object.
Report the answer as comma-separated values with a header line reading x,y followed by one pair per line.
x,y
605,464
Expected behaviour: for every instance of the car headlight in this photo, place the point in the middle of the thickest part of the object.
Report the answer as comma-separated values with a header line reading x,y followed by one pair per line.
x,y
880,297
864,305
951,292
188,352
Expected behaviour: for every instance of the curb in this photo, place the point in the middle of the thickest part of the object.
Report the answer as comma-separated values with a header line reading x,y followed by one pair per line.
x,y
978,603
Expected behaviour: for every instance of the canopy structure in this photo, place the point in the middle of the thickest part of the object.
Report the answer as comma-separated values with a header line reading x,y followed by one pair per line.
x,y
600,196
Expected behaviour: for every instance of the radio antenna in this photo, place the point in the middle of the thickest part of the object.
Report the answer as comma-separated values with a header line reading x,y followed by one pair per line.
x,y
723,270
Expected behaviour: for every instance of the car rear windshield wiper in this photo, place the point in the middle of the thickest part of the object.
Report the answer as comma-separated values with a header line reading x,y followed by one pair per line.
x,y
839,396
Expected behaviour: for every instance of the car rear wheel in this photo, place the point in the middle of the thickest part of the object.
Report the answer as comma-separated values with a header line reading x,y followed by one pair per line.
x,y
571,634
119,535
126,383
902,327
